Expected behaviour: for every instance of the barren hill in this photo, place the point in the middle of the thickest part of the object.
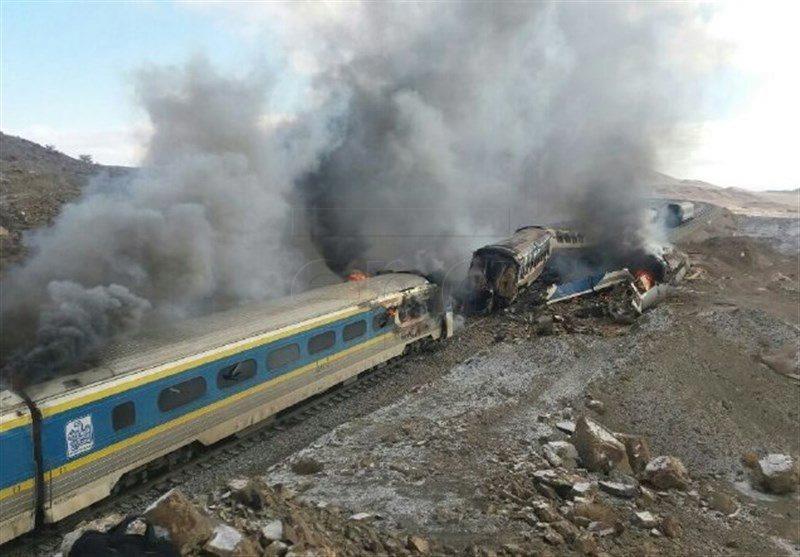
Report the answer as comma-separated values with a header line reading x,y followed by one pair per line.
x,y
752,203
36,182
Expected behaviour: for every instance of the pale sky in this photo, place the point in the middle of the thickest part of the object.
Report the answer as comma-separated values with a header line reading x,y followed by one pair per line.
x,y
66,80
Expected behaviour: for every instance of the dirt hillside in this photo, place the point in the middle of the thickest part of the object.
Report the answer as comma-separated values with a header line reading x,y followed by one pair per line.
x,y
763,203
36,181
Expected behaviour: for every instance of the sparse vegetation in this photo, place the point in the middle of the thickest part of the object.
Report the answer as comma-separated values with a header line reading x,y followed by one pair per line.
x,y
86,158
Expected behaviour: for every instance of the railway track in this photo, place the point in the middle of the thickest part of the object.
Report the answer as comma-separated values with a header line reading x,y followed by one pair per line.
x,y
174,471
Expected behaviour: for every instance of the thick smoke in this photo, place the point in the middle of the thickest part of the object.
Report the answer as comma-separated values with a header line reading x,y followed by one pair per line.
x,y
465,120
201,226
434,128
77,322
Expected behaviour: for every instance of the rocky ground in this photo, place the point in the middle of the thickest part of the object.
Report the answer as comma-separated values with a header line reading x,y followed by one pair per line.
x,y
551,431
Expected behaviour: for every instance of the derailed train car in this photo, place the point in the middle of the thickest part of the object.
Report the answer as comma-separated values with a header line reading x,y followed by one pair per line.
x,y
154,399
498,271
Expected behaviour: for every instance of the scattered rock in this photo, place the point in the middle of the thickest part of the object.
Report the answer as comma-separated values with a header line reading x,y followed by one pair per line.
x,y
137,528
566,426
358,517
586,544
619,489
666,472
564,450
595,512
545,512
275,549
583,489
551,457
750,460
597,447
601,529
596,405
227,541
670,527
418,545
559,482
648,494
247,493
273,531
552,537
645,519
778,473
565,529
188,528
637,450
305,466
719,501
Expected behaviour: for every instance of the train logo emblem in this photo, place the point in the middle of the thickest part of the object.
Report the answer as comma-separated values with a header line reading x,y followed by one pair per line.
x,y
80,436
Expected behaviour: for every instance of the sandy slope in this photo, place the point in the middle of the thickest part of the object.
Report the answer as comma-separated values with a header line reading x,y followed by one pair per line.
x,y
768,203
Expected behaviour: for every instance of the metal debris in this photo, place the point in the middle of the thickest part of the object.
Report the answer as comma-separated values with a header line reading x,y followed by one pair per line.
x,y
587,285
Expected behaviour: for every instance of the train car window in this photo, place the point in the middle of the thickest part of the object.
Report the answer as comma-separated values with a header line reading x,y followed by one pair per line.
x,y
283,356
123,415
321,342
380,321
354,330
234,374
181,394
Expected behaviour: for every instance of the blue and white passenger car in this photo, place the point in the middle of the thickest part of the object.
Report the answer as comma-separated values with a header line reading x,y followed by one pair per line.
x,y
199,382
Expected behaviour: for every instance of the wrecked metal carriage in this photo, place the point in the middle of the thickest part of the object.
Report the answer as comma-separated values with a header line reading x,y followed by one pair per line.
x,y
498,271
158,396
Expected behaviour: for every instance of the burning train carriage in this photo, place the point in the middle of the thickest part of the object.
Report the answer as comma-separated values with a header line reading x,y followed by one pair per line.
x,y
498,271
80,436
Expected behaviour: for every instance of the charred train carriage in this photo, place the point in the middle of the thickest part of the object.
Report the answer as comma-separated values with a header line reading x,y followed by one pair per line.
x,y
498,271
78,437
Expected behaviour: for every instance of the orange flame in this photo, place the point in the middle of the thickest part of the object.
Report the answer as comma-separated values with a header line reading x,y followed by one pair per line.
x,y
645,279
356,275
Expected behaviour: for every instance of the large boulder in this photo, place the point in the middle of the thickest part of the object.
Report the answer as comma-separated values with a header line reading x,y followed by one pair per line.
x,y
666,472
599,450
778,473
188,528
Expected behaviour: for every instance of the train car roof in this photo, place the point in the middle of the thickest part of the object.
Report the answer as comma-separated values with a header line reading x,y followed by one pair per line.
x,y
154,347
519,241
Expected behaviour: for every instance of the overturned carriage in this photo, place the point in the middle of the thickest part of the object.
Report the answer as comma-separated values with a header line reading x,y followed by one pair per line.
x,y
498,271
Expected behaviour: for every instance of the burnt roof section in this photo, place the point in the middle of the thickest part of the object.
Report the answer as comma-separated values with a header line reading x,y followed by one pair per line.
x,y
522,242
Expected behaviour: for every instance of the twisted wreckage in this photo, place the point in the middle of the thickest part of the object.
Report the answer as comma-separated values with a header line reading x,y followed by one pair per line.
x,y
498,272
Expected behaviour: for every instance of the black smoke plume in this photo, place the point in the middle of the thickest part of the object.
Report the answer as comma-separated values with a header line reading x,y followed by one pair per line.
x,y
466,120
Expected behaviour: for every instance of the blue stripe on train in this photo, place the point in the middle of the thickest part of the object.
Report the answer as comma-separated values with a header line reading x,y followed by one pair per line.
x,y
54,434
16,456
